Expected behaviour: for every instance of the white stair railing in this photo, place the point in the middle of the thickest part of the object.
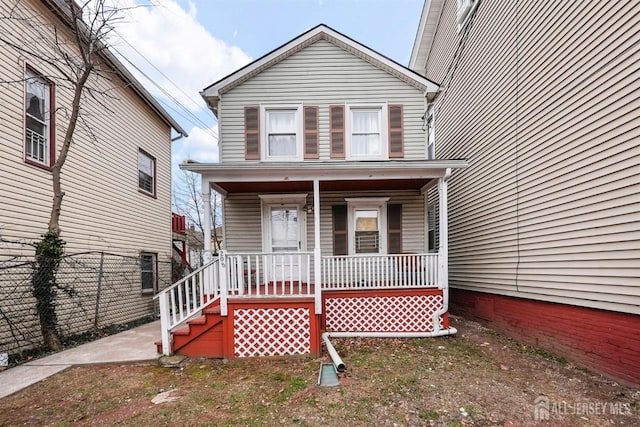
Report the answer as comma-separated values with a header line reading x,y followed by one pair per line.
x,y
186,298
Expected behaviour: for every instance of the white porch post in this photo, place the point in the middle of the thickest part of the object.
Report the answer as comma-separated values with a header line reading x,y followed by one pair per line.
x,y
206,200
443,257
317,262
206,256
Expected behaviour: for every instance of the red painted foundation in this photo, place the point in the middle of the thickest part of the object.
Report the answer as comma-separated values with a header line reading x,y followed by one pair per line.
x,y
603,341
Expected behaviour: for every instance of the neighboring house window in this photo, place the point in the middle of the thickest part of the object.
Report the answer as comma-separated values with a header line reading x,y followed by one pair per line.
x,y
431,137
146,173
39,144
282,133
465,10
148,272
367,225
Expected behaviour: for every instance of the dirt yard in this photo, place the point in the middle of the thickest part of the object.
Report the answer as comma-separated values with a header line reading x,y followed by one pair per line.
x,y
477,378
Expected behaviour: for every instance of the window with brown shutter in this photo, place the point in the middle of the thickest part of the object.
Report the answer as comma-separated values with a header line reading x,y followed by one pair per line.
x,y
336,123
340,245
396,132
252,133
311,133
394,228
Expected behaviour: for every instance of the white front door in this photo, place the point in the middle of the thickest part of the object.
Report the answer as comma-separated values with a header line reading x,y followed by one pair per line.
x,y
284,225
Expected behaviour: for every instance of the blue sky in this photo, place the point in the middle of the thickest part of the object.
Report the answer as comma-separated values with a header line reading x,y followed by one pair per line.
x,y
184,46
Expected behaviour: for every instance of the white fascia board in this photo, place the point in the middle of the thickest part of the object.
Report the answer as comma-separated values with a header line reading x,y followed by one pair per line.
x,y
275,172
424,37
299,43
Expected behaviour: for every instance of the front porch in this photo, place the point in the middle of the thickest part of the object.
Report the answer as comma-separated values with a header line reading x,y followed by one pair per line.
x,y
258,304
309,245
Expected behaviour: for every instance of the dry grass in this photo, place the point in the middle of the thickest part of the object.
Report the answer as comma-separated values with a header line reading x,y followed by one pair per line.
x,y
475,378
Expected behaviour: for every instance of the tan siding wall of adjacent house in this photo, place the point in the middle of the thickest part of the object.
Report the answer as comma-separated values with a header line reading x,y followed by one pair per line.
x,y
544,104
322,74
102,210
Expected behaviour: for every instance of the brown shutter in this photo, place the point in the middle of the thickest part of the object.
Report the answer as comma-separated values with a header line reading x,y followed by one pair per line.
x,y
252,133
396,132
340,230
336,113
311,133
394,228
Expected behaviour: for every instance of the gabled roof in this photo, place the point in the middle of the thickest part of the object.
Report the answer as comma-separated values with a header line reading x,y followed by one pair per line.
x,y
212,93
424,37
61,9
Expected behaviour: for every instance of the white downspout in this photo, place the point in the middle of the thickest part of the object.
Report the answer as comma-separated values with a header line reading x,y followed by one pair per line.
x,y
443,268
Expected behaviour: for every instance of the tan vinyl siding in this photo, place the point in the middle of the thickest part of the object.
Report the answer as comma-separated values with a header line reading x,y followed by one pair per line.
x,y
544,104
102,208
321,75
244,232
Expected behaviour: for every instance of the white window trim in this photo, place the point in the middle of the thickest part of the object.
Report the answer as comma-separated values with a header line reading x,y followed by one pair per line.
x,y
264,135
147,291
370,203
465,11
46,123
283,200
153,173
384,131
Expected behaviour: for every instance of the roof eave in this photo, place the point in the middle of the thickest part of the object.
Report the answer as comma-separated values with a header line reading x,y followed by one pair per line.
x,y
61,10
424,36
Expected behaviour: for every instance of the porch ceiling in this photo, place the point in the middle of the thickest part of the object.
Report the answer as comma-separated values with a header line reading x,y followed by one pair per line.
x,y
291,186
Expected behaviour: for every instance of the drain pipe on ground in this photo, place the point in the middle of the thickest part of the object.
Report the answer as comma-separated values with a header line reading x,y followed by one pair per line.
x,y
337,360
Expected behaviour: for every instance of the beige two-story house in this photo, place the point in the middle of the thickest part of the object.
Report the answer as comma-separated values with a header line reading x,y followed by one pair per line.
x,y
116,180
324,169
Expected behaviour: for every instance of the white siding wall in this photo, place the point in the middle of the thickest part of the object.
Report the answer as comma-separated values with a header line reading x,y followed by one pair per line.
x,y
322,74
544,103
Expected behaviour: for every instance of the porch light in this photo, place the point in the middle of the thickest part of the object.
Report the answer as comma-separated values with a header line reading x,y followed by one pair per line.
x,y
308,209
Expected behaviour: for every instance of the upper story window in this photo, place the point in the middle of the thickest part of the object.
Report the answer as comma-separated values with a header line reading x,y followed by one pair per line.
x,y
146,173
282,134
366,132
465,10
39,144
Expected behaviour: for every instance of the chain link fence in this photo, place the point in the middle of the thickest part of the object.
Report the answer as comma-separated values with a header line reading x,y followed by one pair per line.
x,y
96,294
